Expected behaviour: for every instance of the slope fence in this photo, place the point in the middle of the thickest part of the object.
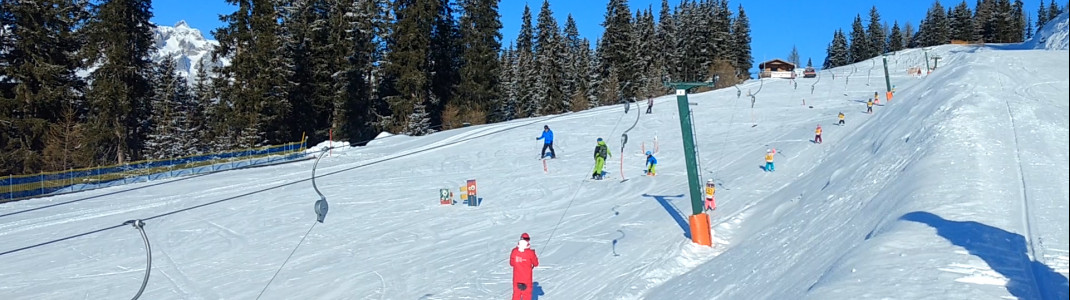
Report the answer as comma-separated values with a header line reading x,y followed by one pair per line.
x,y
27,186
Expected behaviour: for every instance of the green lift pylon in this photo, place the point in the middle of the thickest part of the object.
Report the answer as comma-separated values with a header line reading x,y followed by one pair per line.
x,y
699,221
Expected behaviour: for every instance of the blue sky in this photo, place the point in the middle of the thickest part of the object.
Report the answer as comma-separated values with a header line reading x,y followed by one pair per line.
x,y
775,25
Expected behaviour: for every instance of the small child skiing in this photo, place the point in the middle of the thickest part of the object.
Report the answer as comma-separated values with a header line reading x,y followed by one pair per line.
x,y
841,119
869,106
711,202
769,160
876,98
651,163
817,134
601,152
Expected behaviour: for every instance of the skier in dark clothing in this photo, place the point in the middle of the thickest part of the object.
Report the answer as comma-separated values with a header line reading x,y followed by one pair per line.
x,y
548,141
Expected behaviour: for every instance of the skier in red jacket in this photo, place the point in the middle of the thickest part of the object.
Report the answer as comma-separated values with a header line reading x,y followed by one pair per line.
x,y
523,260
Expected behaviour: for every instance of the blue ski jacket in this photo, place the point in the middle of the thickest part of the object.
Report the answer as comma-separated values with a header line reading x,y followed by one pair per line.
x,y
548,136
650,160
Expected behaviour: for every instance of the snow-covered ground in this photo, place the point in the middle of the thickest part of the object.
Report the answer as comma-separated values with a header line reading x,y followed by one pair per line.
x,y
956,189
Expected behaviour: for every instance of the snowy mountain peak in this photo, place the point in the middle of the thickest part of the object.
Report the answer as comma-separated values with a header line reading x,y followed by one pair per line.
x,y
188,47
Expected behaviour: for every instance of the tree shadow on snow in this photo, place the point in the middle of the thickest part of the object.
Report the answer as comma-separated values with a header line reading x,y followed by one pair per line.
x,y
673,212
1003,251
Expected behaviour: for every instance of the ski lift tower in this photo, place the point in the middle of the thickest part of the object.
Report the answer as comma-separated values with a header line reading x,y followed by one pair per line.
x,y
699,221
887,81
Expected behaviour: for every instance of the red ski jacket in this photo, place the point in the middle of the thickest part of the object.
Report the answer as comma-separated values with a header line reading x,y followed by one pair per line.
x,y
523,262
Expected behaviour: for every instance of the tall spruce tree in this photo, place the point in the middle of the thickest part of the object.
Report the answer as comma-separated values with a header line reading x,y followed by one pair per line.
x,y
619,50
837,53
895,38
525,75
908,35
38,85
961,19
572,77
409,66
172,131
504,107
667,38
935,29
254,85
550,64
860,47
1042,15
306,32
119,41
479,88
878,41
445,60
741,37
643,33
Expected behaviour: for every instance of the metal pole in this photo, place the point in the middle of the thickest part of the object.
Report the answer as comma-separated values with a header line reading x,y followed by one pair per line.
x,y
887,81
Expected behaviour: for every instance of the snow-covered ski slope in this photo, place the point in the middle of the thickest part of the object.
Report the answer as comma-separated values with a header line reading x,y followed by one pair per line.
x,y
956,189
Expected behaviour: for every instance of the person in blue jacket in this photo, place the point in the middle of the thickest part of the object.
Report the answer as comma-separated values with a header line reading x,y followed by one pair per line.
x,y
548,141
651,163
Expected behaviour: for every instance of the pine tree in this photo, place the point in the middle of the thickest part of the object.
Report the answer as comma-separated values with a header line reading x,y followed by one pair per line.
x,y
793,56
550,62
837,53
895,39
173,133
619,50
667,38
860,48
1018,22
307,49
504,107
445,60
204,116
962,27
479,75
809,62
253,86
119,41
525,74
1042,15
908,35
572,79
643,33
1029,27
1054,10
878,42
38,85
934,29
409,66
741,37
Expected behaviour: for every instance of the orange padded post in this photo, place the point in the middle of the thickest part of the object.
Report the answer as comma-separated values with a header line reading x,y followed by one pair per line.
x,y
700,229
889,96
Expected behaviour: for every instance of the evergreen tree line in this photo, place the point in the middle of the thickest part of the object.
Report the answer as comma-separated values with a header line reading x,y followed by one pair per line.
x,y
78,87
992,21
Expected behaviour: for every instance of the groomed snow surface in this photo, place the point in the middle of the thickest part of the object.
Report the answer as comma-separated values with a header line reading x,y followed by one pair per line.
x,y
955,189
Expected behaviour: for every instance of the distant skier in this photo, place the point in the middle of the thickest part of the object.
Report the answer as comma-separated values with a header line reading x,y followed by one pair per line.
x,y
841,119
651,163
876,98
523,260
817,134
869,106
649,104
711,202
601,152
769,160
548,141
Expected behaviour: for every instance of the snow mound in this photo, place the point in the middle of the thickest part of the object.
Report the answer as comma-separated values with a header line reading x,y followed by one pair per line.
x,y
1055,35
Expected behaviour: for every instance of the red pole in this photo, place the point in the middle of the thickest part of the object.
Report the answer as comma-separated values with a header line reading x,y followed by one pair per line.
x,y
331,143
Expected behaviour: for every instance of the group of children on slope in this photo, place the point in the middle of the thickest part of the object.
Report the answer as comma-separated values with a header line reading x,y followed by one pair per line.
x,y
601,153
